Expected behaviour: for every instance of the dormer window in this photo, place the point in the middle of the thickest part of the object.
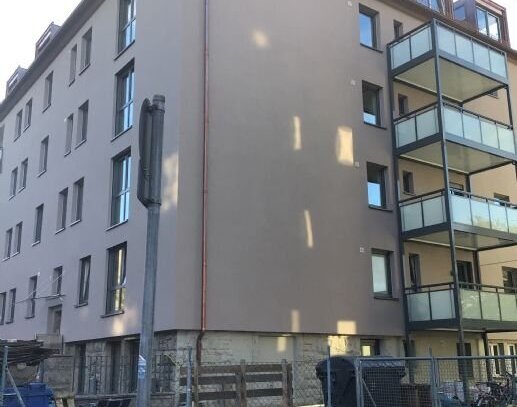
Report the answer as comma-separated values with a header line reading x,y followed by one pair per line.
x,y
432,4
488,23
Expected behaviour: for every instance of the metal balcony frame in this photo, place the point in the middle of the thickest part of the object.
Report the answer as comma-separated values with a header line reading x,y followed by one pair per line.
x,y
458,322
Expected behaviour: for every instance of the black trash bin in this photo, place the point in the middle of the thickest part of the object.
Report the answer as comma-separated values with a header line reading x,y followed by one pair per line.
x,y
381,381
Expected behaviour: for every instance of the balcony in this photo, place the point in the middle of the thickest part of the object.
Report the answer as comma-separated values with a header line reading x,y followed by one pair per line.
x,y
483,307
474,142
478,223
468,67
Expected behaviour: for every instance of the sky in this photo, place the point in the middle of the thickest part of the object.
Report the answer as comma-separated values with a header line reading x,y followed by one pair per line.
x,y
23,21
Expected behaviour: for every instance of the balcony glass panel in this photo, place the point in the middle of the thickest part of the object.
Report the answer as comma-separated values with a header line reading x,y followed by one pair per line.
x,y
406,132
470,304
442,304
411,47
490,306
512,219
471,51
426,124
453,121
426,212
506,139
434,211
498,217
464,48
471,127
411,217
418,127
489,133
508,307
480,214
481,56
461,209
419,307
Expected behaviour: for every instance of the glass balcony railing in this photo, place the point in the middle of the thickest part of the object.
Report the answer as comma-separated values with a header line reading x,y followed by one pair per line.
x,y
472,51
467,209
458,122
450,41
478,302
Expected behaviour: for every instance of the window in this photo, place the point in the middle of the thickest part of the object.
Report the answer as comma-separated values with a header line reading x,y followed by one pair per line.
x,y
38,224
28,114
381,273
127,20
370,347
403,103
398,29
77,200
407,183
8,243
376,185
459,13
43,155
466,276
69,133
24,167
57,280
503,199
3,304
457,186
414,270
125,95
86,50
371,104
61,209
84,279
14,182
510,280
116,279
432,4
31,298
18,238
488,23
120,188
12,305
73,64
18,124
2,128
47,101
54,320
367,26
82,125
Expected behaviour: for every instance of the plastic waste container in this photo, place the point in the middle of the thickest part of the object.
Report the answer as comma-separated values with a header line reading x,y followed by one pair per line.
x,y
33,395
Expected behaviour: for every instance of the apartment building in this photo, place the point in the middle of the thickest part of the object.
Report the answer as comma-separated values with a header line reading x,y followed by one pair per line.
x,y
334,172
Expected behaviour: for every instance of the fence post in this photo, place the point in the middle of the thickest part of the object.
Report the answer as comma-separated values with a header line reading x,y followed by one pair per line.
x,y
2,378
434,382
329,379
244,401
189,378
196,385
358,382
286,386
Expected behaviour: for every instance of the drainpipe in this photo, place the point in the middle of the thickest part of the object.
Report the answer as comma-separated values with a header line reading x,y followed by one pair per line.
x,y
203,323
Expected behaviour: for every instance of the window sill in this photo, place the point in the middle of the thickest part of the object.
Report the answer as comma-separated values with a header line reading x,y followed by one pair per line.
x,y
36,243
117,225
380,208
41,173
377,126
75,222
121,133
11,196
17,137
112,314
30,317
14,255
26,127
21,189
84,68
385,298
380,51
71,82
59,231
80,144
84,304
123,50
6,258
46,108
9,322
408,193
67,153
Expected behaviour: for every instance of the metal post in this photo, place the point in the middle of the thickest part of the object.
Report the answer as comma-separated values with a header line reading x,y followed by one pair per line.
x,y
189,378
2,377
329,379
145,361
358,382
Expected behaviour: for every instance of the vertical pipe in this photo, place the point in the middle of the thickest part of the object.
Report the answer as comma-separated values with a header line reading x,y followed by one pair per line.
x,y
329,379
2,378
189,378
206,122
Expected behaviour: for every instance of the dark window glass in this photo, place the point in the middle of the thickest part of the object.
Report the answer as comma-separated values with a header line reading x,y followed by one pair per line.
x,y
12,305
510,280
121,189
125,95
403,103
414,270
38,226
407,182
370,347
31,303
127,21
371,104
459,13
398,29
367,29
84,280
116,279
381,273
